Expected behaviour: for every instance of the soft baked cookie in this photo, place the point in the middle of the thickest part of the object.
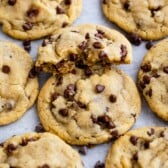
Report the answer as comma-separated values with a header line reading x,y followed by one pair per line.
x,y
81,45
144,147
89,108
18,83
153,78
147,18
34,150
33,19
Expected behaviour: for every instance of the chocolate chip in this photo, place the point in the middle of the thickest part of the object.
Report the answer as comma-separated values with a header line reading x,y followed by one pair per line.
x,y
80,64
165,69
6,69
123,52
27,45
54,96
126,5
69,92
100,34
24,142
32,12
146,144
102,55
134,140
45,166
155,75
97,45
9,106
104,2
111,125
115,134
99,164
87,36
83,45
135,156
112,98
149,44
146,67
39,128
68,2
10,148
33,72
146,79
99,88
151,132
73,71
45,42
103,119
59,80
162,134
27,26
142,85
94,119
12,2
81,105
73,57
149,92
83,150
63,112
60,10
64,24
88,71
134,39
1,144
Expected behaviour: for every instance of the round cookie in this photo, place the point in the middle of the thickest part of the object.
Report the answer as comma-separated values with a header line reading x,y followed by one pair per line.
x,y
89,109
84,44
144,147
34,150
153,79
34,19
18,83
147,18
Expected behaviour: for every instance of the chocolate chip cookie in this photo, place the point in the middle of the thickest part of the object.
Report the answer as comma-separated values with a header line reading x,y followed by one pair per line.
x,y
18,82
145,147
34,19
89,108
153,79
43,150
147,18
83,45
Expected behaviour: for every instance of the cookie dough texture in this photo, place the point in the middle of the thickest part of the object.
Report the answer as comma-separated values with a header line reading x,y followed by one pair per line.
x,y
33,19
38,151
145,147
89,44
18,91
89,110
147,18
153,79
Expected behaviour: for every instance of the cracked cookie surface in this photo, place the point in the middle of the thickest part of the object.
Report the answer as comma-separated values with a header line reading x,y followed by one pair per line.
x,y
83,44
34,19
153,79
89,109
18,87
34,150
147,18
141,148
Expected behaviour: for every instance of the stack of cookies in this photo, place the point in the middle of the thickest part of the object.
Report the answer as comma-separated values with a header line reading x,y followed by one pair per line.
x,y
88,100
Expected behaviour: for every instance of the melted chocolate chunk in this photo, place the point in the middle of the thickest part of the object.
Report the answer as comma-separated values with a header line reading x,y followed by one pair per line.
x,y
24,142
83,45
59,80
32,12
12,2
64,24
60,10
149,92
81,105
73,57
112,98
134,140
27,26
6,69
97,45
102,55
33,72
151,132
146,145
104,2
115,134
69,92
99,88
63,112
83,150
126,5
146,79
123,52
142,85
68,2
88,71
134,39
10,148
87,36
39,128
165,69
149,44
54,96
146,67
99,164
135,156
162,134
45,166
